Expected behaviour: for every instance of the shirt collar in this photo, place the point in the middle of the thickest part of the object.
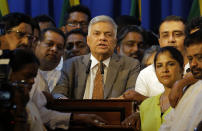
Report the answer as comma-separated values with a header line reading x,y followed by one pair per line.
x,y
59,67
95,61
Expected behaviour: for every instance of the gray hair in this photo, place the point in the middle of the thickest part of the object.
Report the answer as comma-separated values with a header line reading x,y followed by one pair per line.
x,y
102,18
148,52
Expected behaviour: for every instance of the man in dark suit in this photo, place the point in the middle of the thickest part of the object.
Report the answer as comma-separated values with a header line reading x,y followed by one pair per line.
x,y
80,77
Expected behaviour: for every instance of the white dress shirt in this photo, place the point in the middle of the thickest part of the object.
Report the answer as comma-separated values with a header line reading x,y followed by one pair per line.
x,y
147,82
43,80
52,77
34,118
93,70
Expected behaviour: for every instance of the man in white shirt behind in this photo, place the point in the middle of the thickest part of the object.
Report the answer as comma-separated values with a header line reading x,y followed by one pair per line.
x,y
188,112
171,33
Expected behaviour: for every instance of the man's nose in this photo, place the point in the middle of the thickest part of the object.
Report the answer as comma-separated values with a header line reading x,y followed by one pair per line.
x,y
54,48
193,62
134,48
171,39
25,41
102,37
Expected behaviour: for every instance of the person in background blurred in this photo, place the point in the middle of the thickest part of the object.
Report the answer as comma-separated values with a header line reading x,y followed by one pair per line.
x,y
18,31
130,42
77,17
21,62
76,44
149,54
44,21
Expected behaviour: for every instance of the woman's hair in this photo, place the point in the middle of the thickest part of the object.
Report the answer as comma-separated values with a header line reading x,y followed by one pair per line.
x,y
175,54
21,57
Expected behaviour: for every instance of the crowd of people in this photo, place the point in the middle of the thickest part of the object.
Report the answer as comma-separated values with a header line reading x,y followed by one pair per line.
x,y
95,58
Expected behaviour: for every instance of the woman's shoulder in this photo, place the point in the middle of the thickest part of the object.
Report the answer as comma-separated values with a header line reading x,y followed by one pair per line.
x,y
150,102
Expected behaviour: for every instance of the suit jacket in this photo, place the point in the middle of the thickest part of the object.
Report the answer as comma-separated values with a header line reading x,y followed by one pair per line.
x,y
121,75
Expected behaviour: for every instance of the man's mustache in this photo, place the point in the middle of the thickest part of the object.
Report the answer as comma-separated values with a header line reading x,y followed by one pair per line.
x,y
195,69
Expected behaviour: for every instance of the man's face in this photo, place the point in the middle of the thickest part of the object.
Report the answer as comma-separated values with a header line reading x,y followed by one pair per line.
x,y
77,20
76,45
132,45
102,39
44,25
50,49
172,34
194,55
19,36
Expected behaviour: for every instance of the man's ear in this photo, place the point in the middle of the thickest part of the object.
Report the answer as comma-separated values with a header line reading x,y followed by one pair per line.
x,y
88,40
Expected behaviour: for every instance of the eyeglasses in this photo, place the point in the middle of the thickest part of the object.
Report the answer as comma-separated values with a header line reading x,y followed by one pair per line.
x,y
21,34
77,44
75,24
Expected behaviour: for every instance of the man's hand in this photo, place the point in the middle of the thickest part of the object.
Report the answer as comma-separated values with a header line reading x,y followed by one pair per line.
x,y
89,120
133,95
117,98
133,121
176,92
48,96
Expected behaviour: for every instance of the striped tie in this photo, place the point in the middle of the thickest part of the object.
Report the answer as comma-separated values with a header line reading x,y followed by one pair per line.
x,y
98,91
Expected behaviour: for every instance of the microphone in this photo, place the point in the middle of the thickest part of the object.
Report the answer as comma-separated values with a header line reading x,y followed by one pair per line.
x,y
88,67
101,68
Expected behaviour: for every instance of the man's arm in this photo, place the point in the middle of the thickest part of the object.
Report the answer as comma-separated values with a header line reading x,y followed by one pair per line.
x,y
63,86
177,88
53,119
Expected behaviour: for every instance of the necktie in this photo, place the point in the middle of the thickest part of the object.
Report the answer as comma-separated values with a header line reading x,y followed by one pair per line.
x,y
98,91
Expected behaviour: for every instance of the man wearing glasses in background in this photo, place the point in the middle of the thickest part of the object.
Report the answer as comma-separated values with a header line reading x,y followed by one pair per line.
x,y
18,31
76,44
77,17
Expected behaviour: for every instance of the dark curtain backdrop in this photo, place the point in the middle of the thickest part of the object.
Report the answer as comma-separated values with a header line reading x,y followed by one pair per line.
x,y
153,11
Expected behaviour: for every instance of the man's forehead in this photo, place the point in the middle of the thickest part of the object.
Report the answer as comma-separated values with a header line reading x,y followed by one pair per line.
x,y
23,27
78,16
194,49
53,36
172,26
76,36
101,26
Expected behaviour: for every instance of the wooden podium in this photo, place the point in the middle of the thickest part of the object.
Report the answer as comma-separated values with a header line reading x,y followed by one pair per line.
x,y
114,111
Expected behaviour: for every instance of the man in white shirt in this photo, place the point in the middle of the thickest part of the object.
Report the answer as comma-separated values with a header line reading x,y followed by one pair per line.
x,y
171,33
188,112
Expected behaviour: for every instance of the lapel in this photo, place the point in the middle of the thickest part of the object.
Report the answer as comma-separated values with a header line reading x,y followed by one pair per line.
x,y
83,76
112,73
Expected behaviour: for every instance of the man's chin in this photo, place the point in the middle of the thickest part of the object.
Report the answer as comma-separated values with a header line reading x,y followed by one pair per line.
x,y
135,57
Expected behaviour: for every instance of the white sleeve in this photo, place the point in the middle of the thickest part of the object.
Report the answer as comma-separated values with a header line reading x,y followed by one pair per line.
x,y
141,84
53,119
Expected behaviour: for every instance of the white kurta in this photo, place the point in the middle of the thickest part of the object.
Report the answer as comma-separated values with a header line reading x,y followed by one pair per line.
x,y
188,113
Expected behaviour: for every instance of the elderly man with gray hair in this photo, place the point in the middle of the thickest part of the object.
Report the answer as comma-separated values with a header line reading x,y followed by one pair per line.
x,y
101,74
